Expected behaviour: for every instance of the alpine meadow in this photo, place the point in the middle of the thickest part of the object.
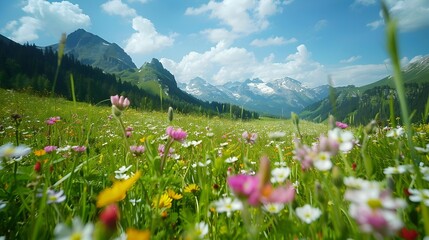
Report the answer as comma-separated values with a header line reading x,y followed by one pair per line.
x,y
94,148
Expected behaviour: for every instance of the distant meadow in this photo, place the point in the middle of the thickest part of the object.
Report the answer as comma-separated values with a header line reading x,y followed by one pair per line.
x,y
74,170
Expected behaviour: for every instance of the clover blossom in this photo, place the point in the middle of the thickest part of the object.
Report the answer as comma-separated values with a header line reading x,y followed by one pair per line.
x,y
53,120
176,134
119,104
137,150
341,125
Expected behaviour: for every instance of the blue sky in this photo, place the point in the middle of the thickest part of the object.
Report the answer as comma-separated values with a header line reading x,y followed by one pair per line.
x,y
233,40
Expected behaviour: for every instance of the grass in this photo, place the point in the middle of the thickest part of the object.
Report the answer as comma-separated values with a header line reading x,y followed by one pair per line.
x,y
84,175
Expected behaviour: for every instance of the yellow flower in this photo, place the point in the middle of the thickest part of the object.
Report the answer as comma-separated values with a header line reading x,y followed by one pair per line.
x,y
164,201
142,139
191,188
117,192
134,234
40,152
173,194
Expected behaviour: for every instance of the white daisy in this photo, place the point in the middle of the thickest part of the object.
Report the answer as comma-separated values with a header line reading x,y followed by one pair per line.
x,y
307,213
279,175
228,205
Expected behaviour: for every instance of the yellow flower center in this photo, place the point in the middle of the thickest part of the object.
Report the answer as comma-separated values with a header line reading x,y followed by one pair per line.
x,y
374,203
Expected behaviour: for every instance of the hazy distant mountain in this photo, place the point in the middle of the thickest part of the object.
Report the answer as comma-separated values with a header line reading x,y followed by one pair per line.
x,y
93,50
359,105
278,97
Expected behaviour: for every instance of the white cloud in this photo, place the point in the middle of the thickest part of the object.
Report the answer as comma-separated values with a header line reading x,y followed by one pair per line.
x,y
321,24
358,74
221,64
146,39
365,2
219,34
242,16
411,14
51,17
140,1
117,7
272,41
350,59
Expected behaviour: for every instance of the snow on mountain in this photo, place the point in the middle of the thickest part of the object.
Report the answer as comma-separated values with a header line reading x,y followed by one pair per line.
x,y
274,98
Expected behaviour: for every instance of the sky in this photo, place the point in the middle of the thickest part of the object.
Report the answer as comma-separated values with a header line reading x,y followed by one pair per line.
x,y
314,42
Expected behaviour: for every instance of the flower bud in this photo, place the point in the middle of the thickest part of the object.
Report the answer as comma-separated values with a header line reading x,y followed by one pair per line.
x,y
110,216
170,114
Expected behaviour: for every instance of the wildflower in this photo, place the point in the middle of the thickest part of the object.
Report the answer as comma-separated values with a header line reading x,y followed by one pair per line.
x,y
37,166
79,149
231,159
419,195
273,207
76,231
164,201
170,114
117,192
191,188
192,143
134,201
201,229
408,234
134,234
373,208
423,150
345,139
49,149
279,175
121,172
341,125
137,150
176,134
322,161
39,152
228,205
308,214
171,193
54,197
10,151
110,216
53,120
396,170
396,132
250,137
119,102
161,149
257,189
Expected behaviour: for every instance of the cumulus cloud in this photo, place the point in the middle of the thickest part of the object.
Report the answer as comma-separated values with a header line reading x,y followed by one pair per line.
x,y
117,7
52,17
272,41
146,39
242,17
219,34
411,15
350,59
221,64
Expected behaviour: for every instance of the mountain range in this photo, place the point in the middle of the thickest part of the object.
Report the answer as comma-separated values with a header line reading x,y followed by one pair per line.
x,y
275,98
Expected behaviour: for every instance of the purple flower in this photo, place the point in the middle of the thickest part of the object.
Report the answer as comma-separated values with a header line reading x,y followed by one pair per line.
x,y
161,149
250,137
79,148
120,102
137,150
53,120
49,149
341,125
176,134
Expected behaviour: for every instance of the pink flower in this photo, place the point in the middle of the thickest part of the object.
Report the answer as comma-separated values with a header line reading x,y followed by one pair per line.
x,y
49,149
110,216
250,137
341,125
137,150
79,148
53,120
258,190
120,102
176,134
161,149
